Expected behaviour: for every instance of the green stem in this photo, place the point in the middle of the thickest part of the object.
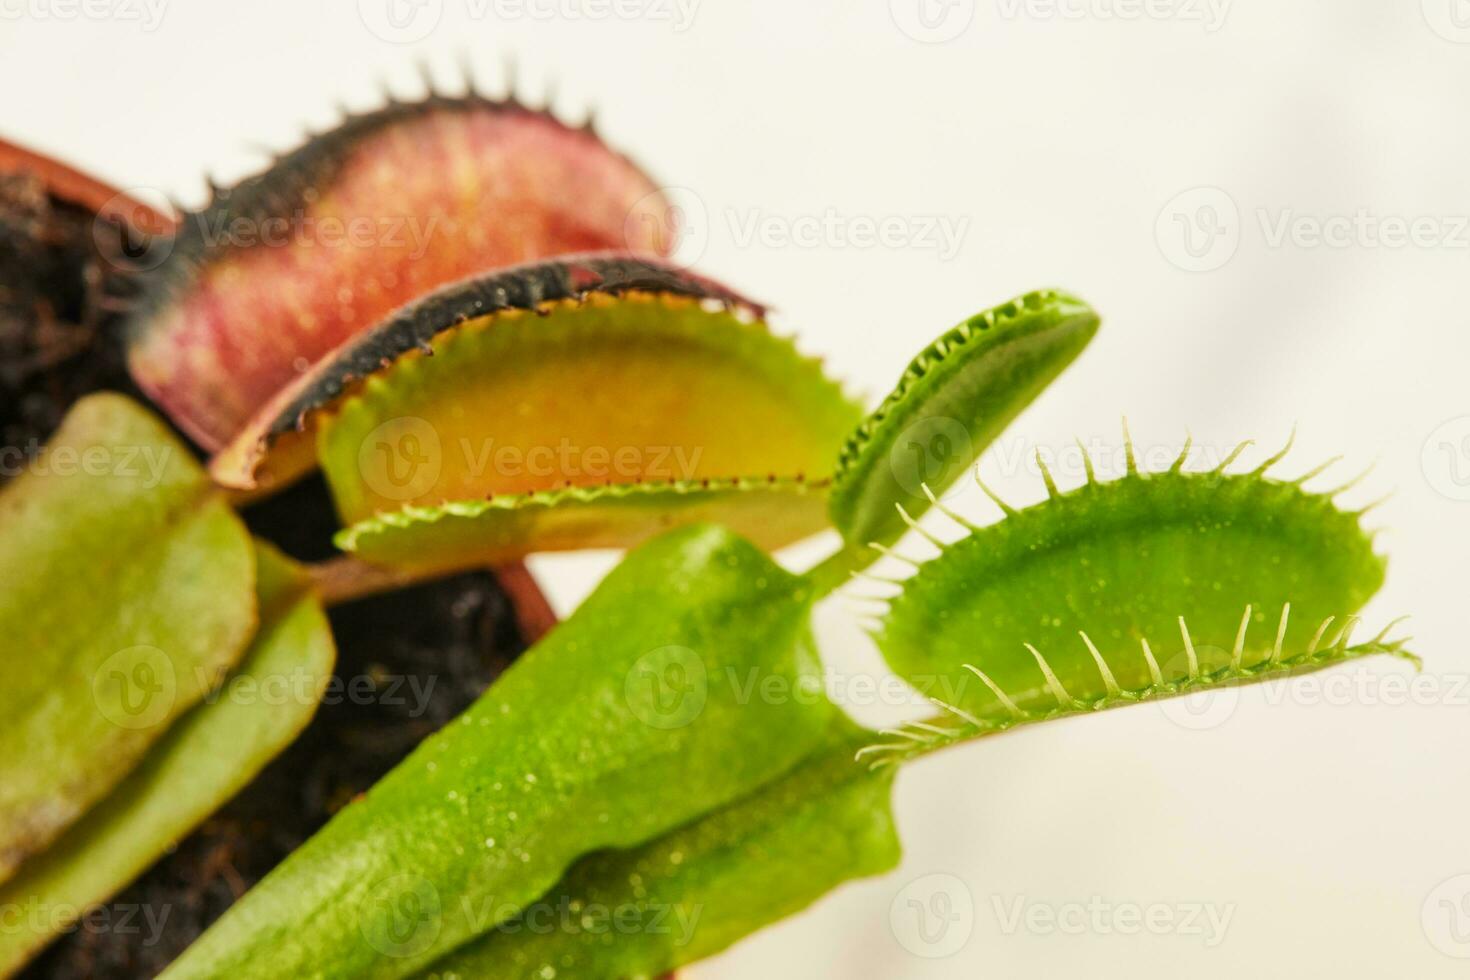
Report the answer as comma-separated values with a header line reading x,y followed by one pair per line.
x,y
833,571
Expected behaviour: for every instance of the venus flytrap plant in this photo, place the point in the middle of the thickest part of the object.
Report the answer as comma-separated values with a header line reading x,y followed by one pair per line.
x,y
1129,570
779,844
630,760
491,817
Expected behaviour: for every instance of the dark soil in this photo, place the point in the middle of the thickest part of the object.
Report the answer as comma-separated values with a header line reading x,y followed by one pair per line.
x,y
300,520
58,338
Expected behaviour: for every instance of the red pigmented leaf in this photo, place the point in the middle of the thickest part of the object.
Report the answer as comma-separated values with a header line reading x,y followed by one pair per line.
x,y
281,269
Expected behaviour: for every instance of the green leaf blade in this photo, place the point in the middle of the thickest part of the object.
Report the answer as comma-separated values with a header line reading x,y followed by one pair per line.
x,y
696,891
207,757
129,587
575,749
952,401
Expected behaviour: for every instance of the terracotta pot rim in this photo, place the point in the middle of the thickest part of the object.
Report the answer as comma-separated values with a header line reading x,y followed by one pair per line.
x,y
68,184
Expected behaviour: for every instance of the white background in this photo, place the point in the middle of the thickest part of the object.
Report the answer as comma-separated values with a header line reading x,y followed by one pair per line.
x,y
1061,143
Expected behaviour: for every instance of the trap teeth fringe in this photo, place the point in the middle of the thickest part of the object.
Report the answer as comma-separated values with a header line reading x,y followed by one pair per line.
x,y
1280,455
954,724
1183,453
391,107
888,552
1006,508
939,505
1233,455
926,360
914,526
1091,481
1132,469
